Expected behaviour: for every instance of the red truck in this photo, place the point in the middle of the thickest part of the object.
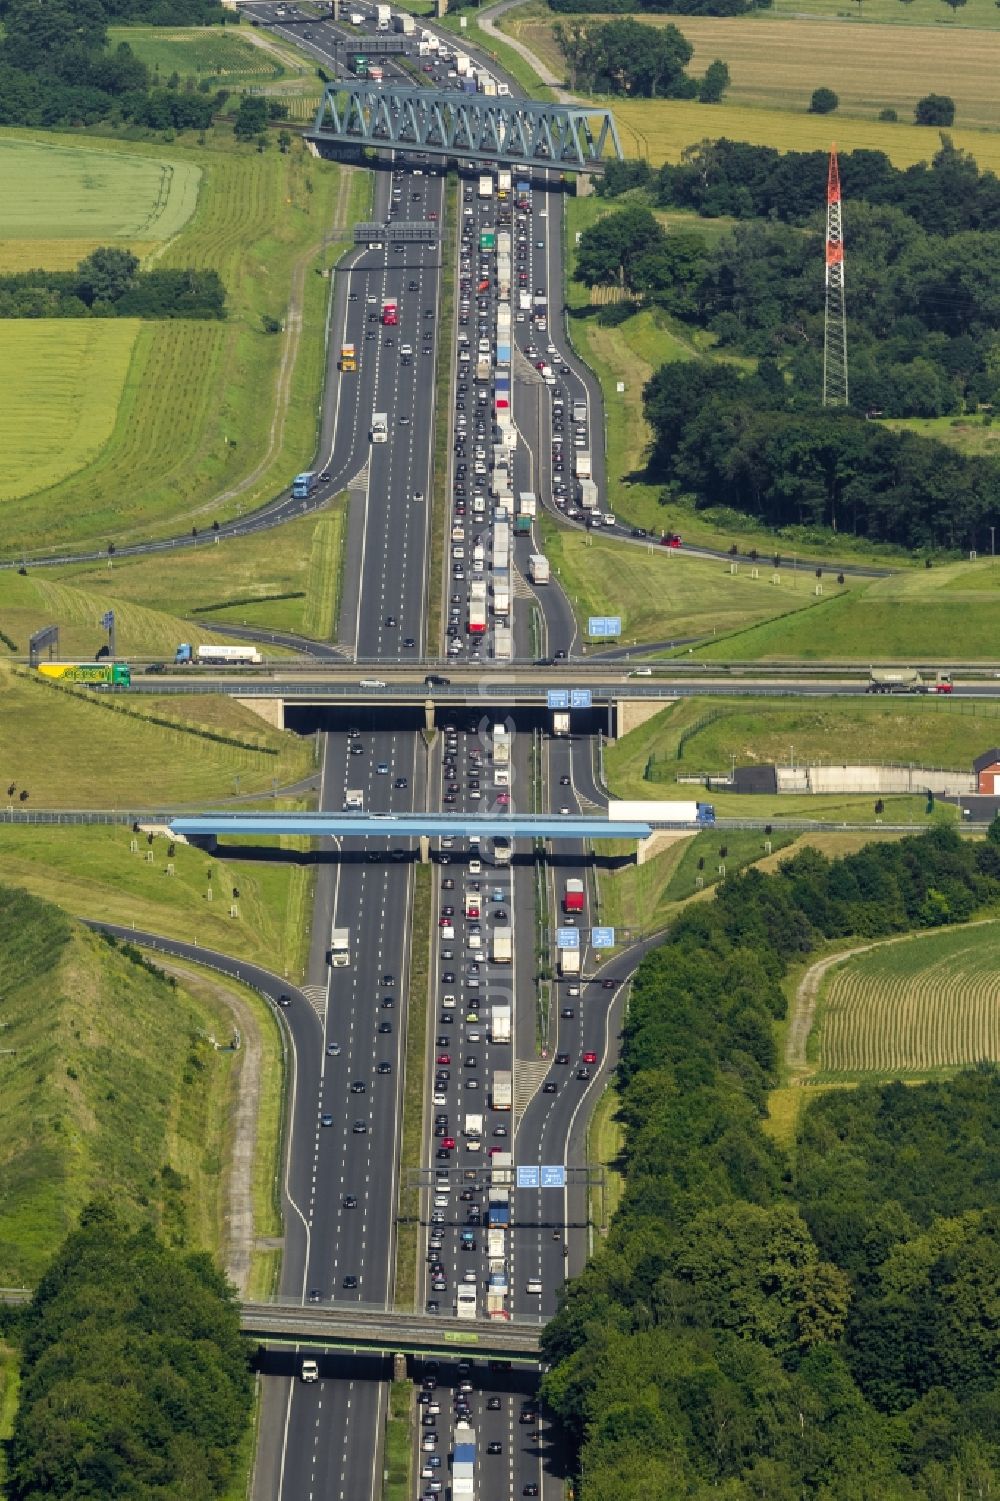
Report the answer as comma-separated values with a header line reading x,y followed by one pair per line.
x,y
573,897
390,312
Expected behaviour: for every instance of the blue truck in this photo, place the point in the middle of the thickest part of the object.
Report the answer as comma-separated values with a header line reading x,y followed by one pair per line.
x,y
303,485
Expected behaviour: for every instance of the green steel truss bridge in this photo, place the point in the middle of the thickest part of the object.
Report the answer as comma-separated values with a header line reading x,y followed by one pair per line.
x,y
503,130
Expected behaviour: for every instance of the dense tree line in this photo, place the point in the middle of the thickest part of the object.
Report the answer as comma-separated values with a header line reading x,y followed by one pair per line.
x,y
751,1331
109,284
735,439
646,62
134,1379
723,177
55,68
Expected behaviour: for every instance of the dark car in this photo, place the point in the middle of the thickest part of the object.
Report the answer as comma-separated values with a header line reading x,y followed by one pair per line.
x,y
350,1282
384,1028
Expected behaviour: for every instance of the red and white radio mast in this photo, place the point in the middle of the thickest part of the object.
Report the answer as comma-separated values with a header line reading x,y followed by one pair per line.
x,y
835,323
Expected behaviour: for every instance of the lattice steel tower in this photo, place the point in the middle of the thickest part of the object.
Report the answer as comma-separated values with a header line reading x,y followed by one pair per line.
x,y
835,322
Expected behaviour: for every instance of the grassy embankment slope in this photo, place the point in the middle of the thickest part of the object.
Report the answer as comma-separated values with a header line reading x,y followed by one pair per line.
x,y
111,1084
213,417
92,872
700,737
107,751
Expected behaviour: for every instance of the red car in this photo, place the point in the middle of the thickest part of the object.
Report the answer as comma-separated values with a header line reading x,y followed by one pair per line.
x,y
448,1142
444,1058
590,1057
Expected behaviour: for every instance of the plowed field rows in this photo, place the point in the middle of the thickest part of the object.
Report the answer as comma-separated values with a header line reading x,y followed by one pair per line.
x,y
917,1007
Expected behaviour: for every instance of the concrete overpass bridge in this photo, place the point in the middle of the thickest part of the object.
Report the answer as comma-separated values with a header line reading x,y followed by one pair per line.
x,y
359,1327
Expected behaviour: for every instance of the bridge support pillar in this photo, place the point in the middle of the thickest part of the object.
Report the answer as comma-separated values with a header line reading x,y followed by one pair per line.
x,y
399,1367
425,849
428,714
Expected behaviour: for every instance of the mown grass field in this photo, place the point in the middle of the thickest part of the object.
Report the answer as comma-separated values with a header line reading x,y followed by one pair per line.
x,y
39,598
91,872
664,596
703,736
215,418
775,61
917,1008
60,411
111,1084
283,580
949,613
104,751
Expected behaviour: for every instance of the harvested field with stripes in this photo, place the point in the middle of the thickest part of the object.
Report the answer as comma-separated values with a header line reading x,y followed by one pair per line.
x,y
912,1008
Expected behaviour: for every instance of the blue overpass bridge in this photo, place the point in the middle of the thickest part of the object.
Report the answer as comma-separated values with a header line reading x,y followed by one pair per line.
x,y
412,826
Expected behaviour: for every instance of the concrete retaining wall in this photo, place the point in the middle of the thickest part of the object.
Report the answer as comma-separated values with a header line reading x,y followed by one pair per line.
x,y
876,780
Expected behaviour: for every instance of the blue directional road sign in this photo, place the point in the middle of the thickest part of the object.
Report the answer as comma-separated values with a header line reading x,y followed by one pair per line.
x,y
604,625
581,698
528,1177
602,938
558,698
567,938
554,1177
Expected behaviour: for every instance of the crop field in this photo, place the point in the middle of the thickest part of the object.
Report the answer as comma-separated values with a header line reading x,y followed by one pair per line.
x,y
60,411
660,130
107,752
214,417
913,1008
58,191
199,52
59,255
775,63
287,579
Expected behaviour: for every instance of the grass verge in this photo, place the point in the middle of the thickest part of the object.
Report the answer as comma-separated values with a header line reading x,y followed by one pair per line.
x,y
397,1464
605,1145
411,1148
443,407
10,1384
640,899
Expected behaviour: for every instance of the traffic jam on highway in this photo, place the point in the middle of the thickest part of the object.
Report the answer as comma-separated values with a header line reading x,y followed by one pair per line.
x,y
520,438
